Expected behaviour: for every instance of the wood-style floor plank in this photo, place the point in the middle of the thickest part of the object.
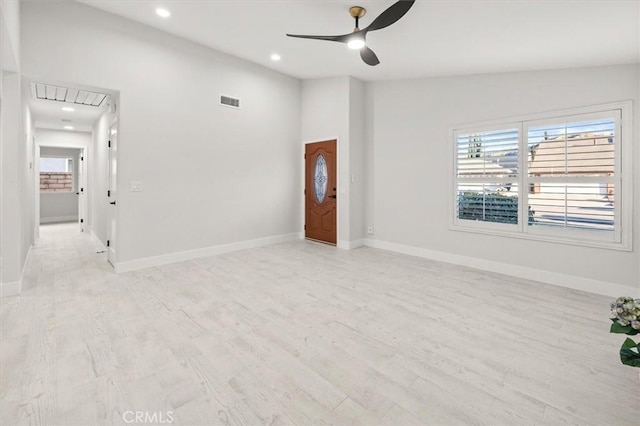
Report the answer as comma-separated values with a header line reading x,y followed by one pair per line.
x,y
302,334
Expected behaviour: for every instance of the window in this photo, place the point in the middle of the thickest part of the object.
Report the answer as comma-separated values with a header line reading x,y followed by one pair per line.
x,y
487,176
553,177
56,174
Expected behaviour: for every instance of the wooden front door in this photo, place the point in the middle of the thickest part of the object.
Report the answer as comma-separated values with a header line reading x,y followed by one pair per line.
x,y
320,192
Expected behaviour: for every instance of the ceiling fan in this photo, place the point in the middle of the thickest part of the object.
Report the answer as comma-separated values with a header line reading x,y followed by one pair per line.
x,y
358,38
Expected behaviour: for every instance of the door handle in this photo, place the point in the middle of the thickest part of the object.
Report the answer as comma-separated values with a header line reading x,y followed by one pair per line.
x,y
333,196
113,203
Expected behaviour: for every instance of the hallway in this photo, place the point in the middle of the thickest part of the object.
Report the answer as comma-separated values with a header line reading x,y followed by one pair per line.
x,y
302,333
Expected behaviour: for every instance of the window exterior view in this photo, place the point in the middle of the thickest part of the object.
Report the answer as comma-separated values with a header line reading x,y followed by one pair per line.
x,y
56,174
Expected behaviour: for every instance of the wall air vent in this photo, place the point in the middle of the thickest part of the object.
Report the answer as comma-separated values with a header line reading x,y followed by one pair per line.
x,y
230,102
50,92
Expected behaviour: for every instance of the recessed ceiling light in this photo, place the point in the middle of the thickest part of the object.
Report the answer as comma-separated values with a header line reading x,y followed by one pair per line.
x,y
68,109
163,13
275,57
69,127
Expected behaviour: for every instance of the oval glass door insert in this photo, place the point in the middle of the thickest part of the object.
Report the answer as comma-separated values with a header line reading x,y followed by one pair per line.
x,y
320,178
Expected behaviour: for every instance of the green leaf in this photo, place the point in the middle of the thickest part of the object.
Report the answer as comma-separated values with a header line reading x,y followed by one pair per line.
x,y
617,328
629,353
622,329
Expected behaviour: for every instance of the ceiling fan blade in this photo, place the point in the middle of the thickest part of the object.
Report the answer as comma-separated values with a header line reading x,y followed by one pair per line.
x,y
391,15
369,57
338,38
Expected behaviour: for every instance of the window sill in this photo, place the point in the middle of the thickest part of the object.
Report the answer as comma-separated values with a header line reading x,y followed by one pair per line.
x,y
57,192
624,246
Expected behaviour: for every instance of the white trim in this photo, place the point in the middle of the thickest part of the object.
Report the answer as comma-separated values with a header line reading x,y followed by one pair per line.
x,y
350,245
164,259
57,219
14,288
541,236
97,241
547,277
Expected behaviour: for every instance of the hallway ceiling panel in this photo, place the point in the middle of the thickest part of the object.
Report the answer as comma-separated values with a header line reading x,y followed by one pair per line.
x,y
54,106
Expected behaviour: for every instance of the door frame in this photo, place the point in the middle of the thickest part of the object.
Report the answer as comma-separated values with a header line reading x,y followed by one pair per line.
x,y
83,205
83,149
112,187
340,192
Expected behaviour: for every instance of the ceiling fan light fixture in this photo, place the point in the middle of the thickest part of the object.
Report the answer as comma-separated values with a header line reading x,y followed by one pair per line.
x,y
356,43
163,13
357,39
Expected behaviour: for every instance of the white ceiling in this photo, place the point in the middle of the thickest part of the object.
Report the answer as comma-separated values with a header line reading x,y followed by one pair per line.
x,y
48,114
436,37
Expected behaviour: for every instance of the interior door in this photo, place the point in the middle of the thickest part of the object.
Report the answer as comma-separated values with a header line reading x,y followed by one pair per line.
x,y
111,194
321,192
80,190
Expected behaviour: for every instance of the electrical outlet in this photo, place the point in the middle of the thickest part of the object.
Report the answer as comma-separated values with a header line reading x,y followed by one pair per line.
x,y
136,186
370,230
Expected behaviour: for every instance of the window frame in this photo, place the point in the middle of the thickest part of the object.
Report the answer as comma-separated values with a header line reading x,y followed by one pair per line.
x,y
623,179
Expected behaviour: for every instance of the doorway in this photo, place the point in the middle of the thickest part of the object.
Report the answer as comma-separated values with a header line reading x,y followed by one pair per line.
x,y
60,178
321,197
72,116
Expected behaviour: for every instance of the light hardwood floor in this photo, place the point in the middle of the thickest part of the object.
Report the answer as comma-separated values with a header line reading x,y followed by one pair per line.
x,y
302,333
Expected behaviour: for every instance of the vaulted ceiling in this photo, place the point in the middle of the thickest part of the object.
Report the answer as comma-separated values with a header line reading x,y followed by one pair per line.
x,y
436,37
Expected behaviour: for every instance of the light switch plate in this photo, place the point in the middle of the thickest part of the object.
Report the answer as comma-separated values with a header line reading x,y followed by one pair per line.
x,y
136,186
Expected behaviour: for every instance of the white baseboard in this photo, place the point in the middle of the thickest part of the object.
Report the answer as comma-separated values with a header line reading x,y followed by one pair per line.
x,y
96,241
14,288
350,245
547,277
57,219
164,259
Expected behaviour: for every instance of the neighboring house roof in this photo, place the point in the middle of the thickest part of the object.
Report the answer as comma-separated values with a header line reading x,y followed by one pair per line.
x,y
480,167
586,153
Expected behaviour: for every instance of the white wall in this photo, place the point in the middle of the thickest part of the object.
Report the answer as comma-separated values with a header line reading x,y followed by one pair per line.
x,y
16,231
357,141
334,108
10,35
12,217
27,181
16,157
211,175
411,164
60,206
